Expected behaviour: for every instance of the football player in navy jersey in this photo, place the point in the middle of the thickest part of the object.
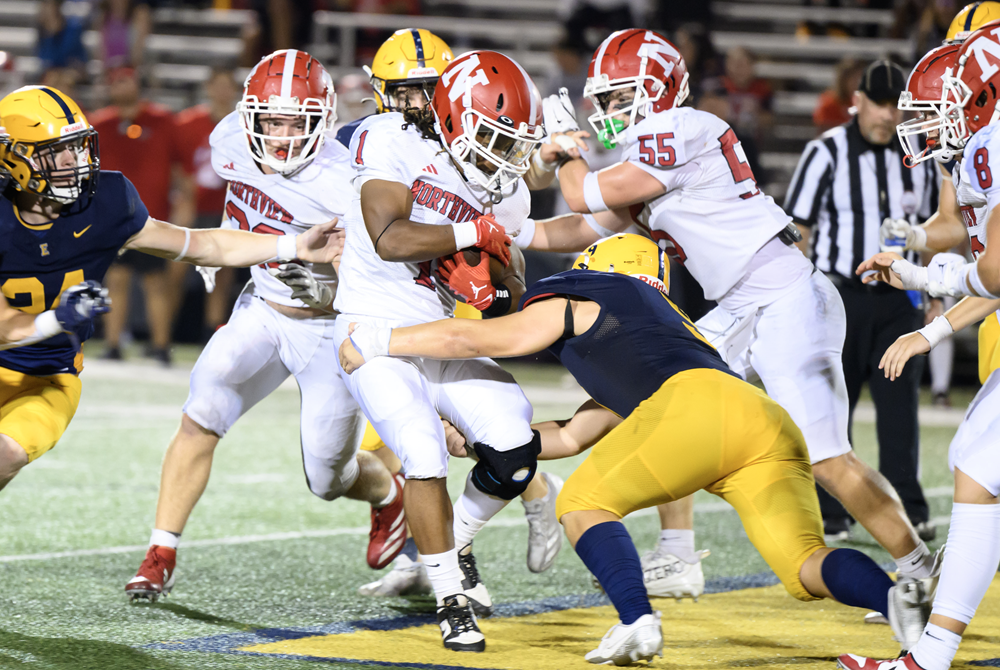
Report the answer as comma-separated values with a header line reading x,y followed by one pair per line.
x,y
677,420
62,222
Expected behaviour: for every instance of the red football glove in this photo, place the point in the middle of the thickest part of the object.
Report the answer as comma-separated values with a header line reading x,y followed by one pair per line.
x,y
492,239
472,282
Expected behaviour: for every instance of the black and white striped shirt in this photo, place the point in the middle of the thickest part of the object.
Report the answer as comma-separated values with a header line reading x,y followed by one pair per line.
x,y
844,187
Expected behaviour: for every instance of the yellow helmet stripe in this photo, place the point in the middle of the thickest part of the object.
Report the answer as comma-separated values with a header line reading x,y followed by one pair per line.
x,y
970,15
419,44
62,104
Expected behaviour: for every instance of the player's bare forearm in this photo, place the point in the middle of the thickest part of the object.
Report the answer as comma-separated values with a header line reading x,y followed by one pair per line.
x,y
621,185
944,232
16,327
803,244
567,233
969,310
386,207
569,437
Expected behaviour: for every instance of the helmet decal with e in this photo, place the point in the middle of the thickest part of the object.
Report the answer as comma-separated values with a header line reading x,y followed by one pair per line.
x,y
488,118
412,57
287,83
50,149
925,95
628,254
640,61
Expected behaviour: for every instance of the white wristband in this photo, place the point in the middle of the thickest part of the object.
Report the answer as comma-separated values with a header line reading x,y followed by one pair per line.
x,y
937,330
976,282
523,239
598,228
187,243
287,250
47,325
541,164
592,194
466,235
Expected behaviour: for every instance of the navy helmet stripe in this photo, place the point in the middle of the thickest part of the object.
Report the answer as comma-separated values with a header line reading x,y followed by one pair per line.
x,y
65,108
419,44
970,15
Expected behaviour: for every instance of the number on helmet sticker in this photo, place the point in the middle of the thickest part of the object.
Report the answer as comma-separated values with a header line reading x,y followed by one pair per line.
x,y
660,154
981,161
738,164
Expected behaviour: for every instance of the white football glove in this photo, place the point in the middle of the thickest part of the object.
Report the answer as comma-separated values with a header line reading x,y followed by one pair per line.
x,y
370,341
559,116
899,234
304,285
207,276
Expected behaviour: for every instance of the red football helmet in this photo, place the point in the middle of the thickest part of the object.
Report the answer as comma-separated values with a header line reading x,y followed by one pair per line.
x,y
288,83
975,85
636,59
488,118
925,95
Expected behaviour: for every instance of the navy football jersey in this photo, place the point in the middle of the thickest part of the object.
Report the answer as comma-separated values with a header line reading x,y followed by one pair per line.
x,y
346,131
639,341
39,262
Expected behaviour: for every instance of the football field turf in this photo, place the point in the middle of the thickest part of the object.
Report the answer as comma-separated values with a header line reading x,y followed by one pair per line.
x,y
267,573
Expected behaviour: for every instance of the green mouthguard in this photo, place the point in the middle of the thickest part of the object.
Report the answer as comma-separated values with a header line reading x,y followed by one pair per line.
x,y
608,136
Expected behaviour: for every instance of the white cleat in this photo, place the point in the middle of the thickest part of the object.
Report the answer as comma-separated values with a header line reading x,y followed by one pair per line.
x,y
909,610
623,645
406,578
545,535
667,576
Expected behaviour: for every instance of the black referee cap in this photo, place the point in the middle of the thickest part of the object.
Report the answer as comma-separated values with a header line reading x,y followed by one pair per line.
x,y
883,81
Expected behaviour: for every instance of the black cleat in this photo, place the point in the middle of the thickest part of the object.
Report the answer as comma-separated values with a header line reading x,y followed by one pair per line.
x,y
475,590
459,630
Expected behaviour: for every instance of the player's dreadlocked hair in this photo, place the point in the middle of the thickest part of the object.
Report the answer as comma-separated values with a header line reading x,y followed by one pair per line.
x,y
423,119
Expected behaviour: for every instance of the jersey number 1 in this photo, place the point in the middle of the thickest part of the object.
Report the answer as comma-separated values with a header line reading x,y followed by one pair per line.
x,y
738,164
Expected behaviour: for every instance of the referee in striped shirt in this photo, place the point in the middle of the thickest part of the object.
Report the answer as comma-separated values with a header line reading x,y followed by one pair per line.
x,y
847,182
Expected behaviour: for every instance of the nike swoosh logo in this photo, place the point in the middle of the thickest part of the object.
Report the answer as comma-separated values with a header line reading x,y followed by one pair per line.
x,y
429,565
78,234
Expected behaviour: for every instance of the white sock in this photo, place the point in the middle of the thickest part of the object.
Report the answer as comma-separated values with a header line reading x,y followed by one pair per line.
x,y
444,573
936,648
389,499
472,510
970,560
164,538
680,543
916,564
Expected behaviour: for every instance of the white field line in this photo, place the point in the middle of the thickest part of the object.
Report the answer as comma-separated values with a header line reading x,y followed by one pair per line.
x,y
702,508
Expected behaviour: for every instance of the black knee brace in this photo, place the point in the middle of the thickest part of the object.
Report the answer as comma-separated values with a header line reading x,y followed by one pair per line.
x,y
506,474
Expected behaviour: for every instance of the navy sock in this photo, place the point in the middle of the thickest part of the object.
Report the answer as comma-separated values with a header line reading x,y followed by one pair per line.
x,y
608,551
410,549
855,579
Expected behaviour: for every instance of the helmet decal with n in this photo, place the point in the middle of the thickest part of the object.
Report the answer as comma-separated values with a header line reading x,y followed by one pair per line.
x,y
488,118
974,85
640,61
627,254
50,149
412,57
925,95
288,83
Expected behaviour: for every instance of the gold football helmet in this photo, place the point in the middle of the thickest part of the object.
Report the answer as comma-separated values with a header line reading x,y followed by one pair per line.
x,y
631,255
50,149
410,58
971,18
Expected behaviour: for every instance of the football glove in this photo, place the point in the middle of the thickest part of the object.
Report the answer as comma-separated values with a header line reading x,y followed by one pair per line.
x,y
491,238
472,282
207,276
559,116
78,305
304,285
897,234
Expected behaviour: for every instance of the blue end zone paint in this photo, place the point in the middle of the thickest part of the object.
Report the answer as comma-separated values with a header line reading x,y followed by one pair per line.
x,y
992,662
230,643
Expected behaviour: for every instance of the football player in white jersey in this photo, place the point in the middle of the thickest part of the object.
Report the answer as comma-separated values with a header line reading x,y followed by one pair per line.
x,y
284,177
430,184
684,178
962,125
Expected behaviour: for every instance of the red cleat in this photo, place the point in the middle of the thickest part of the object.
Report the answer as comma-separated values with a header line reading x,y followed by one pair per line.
x,y
852,662
155,576
388,534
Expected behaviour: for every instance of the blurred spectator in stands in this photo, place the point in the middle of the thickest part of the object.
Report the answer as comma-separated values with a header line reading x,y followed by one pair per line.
x,y
672,15
139,139
572,57
202,193
60,39
354,98
593,20
276,24
63,79
926,21
744,100
695,44
124,26
833,104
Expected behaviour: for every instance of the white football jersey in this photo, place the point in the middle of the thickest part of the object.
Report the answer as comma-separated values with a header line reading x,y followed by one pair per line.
x,y
275,205
977,184
409,292
713,218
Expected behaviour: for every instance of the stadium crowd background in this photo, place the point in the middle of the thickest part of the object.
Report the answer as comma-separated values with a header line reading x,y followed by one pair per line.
x,y
779,71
